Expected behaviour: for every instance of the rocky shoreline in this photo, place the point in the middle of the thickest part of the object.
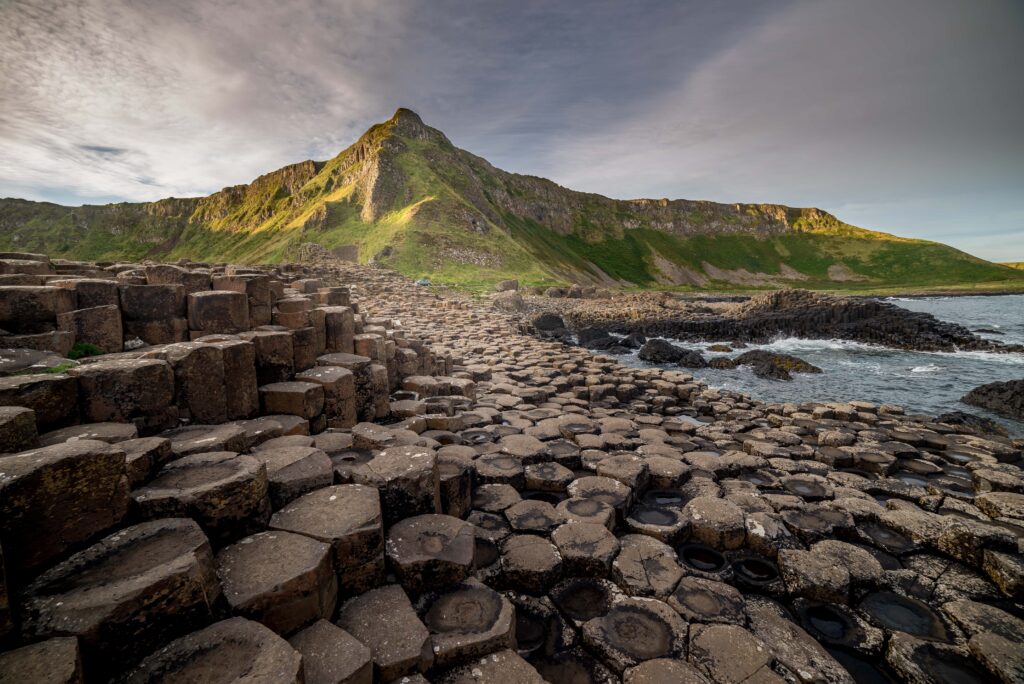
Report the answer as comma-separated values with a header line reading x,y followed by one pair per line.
x,y
323,473
757,319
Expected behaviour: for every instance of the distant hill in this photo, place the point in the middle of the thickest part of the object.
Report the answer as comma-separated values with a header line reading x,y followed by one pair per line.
x,y
1013,264
404,196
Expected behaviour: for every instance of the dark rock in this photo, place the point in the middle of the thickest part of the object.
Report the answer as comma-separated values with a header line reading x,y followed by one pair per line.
x,y
234,650
1006,398
127,594
774,366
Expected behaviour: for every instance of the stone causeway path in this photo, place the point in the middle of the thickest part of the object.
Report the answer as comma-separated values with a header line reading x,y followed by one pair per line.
x,y
324,473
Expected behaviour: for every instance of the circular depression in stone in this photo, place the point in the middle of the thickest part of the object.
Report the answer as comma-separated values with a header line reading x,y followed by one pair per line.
x,y
553,498
570,667
648,515
582,599
485,553
637,633
754,571
663,498
476,436
808,489
831,624
887,538
702,557
903,614
467,610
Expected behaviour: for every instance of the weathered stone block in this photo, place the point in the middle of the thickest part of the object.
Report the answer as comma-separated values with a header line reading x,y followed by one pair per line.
x,y
339,393
200,384
241,389
330,655
218,311
164,331
56,498
384,620
54,661
283,580
127,594
304,399
91,292
17,429
54,398
28,309
100,326
348,517
152,302
275,358
120,390
225,493
237,650
339,325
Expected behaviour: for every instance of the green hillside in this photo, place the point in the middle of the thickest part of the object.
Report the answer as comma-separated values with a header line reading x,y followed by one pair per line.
x,y
404,196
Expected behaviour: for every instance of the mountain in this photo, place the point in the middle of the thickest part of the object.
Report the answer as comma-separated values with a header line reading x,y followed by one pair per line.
x,y
404,196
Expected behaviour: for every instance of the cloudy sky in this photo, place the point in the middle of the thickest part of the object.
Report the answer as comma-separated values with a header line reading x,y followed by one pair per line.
x,y
898,115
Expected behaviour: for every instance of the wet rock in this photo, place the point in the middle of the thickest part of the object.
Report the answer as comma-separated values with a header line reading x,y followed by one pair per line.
x,y
280,579
468,621
587,510
127,594
347,517
900,613
701,600
636,630
793,648
225,493
774,366
1006,398
384,620
1006,571
330,655
54,499
430,552
660,351
54,661
927,662
231,650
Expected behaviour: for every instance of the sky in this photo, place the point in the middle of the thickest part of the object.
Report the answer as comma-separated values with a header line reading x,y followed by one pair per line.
x,y
899,115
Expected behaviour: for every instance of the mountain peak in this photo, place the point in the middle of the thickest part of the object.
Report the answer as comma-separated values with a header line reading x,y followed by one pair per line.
x,y
403,115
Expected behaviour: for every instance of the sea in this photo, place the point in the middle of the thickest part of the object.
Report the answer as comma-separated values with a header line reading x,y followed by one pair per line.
x,y
921,382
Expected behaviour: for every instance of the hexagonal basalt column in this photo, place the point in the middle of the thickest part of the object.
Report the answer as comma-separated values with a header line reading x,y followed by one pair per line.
x,y
430,552
127,594
224,492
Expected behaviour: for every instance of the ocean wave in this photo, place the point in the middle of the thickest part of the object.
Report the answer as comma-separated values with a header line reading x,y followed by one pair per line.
x,y
930,368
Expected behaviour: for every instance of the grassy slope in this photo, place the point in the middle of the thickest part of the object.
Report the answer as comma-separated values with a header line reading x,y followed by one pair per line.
x,y
424,193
